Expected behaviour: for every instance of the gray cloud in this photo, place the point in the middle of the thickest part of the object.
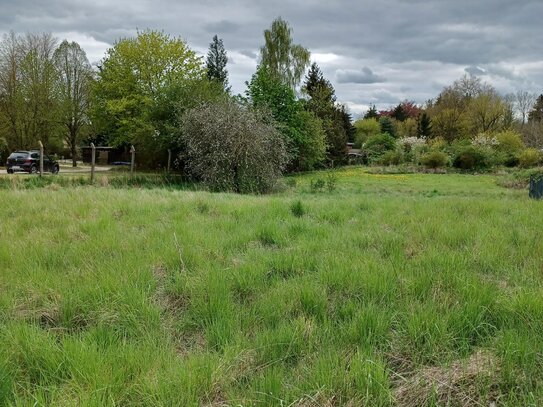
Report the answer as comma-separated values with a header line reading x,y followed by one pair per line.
x,y
474,70
222,27
417,45
364,76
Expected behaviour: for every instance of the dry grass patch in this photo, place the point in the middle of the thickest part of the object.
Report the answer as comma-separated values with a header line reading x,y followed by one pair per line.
x,y
456,385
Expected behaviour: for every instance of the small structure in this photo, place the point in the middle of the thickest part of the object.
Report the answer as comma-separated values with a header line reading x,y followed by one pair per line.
x,y
536,187
106,155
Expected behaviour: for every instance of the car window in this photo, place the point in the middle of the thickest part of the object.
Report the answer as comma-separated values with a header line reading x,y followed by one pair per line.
x,y
18,154
35,155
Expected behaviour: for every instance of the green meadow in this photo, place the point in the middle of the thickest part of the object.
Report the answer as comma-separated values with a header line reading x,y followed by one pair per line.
x,y
344,289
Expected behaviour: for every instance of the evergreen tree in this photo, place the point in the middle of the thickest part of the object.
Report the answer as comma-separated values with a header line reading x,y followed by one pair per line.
x,y
336,120
347,120
536,115
399,113
424,126
372,113
216,63
387,126
316,83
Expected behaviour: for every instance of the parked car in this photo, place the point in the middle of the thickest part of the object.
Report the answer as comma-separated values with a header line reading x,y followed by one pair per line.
x,y
29,161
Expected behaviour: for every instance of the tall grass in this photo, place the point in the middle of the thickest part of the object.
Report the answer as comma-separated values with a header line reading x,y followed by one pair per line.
x,y
114,295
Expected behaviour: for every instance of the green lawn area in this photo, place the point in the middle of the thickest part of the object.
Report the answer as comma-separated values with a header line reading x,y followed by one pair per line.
x,y
408,290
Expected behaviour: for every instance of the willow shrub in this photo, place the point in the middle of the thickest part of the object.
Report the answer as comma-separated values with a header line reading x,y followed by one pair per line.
x,y
232,148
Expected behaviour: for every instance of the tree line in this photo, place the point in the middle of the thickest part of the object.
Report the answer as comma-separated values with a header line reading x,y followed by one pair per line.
x,y
150,90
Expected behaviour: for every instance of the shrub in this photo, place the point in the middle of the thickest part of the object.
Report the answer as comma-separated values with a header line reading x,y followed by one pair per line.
x,y
434,159
331,182
232,148
391,158
470,157
317,185
377,145
529,158
509,142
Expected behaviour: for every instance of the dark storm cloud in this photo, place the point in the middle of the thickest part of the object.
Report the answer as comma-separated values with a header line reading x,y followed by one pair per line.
x,y
417,45
365,75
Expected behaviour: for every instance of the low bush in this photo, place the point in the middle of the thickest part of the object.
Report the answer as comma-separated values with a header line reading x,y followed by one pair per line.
x,y
378,145
529,158
434,159
469,157
391,158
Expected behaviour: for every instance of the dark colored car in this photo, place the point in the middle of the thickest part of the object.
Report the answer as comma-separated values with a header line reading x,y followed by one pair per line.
x,y
29,161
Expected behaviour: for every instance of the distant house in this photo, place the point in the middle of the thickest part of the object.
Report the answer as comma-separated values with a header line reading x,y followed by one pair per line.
x,y
106,155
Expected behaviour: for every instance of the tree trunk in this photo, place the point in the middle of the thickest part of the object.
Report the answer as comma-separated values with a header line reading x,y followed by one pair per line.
x,y
73,151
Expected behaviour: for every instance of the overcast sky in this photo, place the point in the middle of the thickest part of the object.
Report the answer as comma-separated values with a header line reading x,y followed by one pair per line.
x,y
373,52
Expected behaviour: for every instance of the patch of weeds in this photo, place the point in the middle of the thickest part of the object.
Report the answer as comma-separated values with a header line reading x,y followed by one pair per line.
x,y
297,209
317,185
268,238
329,183
291,182
202,207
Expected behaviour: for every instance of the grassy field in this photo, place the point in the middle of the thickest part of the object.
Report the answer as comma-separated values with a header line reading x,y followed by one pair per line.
x,y
408,290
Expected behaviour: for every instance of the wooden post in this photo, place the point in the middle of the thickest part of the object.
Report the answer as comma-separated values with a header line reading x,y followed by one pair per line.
x,y
132,159
169,159
41,158
93,161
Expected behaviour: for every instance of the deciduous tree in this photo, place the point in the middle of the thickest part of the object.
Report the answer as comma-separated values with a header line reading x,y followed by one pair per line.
x,y
74,81
283,59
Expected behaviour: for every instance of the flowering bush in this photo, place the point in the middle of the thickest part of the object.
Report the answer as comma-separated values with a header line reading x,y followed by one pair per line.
x,y
484,140
232,148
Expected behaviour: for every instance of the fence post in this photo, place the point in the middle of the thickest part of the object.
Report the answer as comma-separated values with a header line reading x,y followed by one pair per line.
x,y
132,159
93,161
41,158
169,159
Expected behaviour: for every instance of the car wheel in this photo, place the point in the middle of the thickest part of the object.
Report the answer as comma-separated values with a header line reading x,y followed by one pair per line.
x,y
55,170
33,169
10,171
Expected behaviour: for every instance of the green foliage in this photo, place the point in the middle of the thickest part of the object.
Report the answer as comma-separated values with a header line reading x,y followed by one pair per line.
x,y
74,82
335,119
424,126
29,108
406,128
434,159
378,145
302,131
470,157
231,148
530,157
536,114
387,126
509,141
285,61
391,157
329,183
216,63
371,113
134,85
312,142
4,150
365,129
297,209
